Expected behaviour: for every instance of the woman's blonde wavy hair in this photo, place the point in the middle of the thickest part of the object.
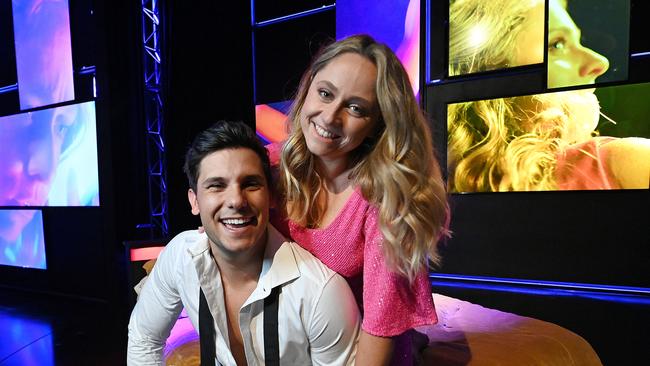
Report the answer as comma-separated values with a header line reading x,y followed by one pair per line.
x,y
395,168
504,144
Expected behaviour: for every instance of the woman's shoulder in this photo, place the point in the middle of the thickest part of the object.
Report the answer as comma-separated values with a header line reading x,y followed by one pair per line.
x,y
629,160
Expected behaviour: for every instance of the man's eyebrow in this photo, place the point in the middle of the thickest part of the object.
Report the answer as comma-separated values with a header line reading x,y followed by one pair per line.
x,y
258,177
212,180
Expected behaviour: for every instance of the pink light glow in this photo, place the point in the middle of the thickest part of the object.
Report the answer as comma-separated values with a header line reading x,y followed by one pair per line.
x,y
270,123
143,254
409,50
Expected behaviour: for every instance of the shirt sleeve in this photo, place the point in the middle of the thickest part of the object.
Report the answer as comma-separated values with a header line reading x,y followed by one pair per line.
x,y
155,312
391,305
334,328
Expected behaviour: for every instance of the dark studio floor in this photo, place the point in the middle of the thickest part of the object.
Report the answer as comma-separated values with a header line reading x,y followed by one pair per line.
x,y
38,329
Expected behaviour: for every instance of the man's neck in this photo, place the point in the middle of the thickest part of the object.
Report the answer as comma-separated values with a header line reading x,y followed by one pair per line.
x,y
240,273
239,270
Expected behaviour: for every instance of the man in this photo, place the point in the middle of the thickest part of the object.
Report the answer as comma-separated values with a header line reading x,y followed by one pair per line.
x,y
238,262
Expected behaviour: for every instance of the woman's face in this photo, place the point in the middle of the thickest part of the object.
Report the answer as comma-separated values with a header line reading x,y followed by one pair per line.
x,y
569,62
30,147
340,109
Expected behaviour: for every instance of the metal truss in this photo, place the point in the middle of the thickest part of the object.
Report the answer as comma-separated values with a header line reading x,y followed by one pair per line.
x,y
153,113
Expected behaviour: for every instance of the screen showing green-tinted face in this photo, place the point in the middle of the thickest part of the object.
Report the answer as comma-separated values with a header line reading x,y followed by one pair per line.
x,y
489,35
588,42
581,139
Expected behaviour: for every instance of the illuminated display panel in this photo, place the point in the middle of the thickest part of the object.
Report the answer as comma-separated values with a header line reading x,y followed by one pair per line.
x,y
552,141
21,238
584,46
482,34
393,22
49,157
270,121
43,52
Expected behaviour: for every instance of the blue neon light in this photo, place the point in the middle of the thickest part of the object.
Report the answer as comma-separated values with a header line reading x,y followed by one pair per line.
x,y
294,16
540,283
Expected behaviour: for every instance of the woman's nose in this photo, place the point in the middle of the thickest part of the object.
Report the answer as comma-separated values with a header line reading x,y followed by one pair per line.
x,y
594,64
330,113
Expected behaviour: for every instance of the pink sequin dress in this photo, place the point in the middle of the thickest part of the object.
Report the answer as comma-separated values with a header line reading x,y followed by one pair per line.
x,y
352,246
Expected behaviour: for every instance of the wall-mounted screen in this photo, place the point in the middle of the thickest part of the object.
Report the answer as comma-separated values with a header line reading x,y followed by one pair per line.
x,y
487,35
271,121
569,140
49,157
21,238
43,52
395,23
584,46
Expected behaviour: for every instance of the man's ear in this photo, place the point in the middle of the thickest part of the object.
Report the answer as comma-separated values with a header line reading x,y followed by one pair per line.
x,y
194,203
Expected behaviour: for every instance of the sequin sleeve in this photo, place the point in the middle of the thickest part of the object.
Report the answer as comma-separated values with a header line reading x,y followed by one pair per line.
x,y
391,305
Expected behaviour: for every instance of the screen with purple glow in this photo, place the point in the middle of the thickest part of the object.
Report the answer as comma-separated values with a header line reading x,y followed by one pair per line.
x,y
21,238
393,22
43,52
49,157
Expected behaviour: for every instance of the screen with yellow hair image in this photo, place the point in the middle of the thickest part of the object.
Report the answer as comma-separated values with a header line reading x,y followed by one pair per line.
x,y
584,139
486,35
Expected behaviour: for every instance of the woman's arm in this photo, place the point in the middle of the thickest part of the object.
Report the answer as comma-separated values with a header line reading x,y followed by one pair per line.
x,y
373,350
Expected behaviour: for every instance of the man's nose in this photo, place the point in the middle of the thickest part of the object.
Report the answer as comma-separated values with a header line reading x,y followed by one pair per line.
x,y
236,198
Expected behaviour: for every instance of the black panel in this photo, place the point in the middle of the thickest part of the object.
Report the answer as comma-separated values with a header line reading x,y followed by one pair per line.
x,y
639,26
587,237
208,63
283,52
8,74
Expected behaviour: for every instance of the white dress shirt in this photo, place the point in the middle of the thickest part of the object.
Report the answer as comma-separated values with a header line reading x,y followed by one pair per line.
x,y
318,318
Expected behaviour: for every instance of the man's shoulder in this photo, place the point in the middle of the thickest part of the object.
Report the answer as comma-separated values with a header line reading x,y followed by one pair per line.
x,y
189,240
311,269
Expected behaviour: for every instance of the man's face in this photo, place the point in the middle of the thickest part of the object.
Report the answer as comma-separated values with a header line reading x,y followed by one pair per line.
x,y
232,198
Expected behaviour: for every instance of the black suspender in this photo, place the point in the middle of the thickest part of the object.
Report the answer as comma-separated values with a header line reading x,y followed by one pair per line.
x,y
271,343
206,332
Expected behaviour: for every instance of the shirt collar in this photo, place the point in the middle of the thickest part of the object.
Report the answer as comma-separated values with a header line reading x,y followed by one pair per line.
x,y
279,265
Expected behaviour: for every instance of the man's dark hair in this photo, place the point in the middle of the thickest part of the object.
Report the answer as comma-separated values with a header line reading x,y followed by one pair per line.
x,y
223,135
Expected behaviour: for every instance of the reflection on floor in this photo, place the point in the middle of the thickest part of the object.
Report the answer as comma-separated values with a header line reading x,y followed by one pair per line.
x,y
37,329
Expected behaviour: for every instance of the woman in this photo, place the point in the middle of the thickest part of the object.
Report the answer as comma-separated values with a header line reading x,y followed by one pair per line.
x,y
362,189
536,142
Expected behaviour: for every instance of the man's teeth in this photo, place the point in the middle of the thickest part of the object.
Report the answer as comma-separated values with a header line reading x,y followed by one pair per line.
x,y
235,221
322,132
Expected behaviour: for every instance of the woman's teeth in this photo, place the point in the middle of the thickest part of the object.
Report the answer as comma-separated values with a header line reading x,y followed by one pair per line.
x,y
322,132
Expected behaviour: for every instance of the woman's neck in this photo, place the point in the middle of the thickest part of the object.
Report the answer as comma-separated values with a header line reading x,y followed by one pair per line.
x,y
335,174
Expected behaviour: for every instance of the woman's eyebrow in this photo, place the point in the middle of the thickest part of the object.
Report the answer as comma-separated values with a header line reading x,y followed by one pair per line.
x,y
328,84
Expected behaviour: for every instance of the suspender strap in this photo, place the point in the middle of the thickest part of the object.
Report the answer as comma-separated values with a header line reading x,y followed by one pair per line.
x,y
271,343
206,332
